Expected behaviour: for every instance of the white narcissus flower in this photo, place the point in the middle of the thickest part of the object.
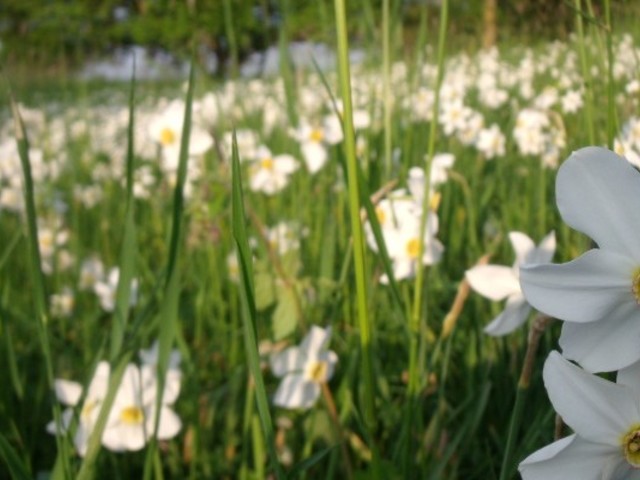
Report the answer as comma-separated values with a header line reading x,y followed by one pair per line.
x,y
303,369
605,417
132,416
69,393
597,294
270,173
497,282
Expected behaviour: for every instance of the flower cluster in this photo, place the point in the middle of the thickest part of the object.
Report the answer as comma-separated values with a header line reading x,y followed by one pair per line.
x,y
131,420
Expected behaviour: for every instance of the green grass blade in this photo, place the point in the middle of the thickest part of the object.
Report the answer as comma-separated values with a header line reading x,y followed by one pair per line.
x,y
16,467
248,308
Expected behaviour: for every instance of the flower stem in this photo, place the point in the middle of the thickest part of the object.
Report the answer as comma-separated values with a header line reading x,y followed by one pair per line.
x,y
333,413
537,328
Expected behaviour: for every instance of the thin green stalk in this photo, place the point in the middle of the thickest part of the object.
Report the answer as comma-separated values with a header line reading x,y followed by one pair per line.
x,y
611,106
231,36
364,324
586,75
249,310
386,83
413,385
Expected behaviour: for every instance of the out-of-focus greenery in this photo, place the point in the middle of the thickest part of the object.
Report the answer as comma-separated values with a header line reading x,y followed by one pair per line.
x,y
65,31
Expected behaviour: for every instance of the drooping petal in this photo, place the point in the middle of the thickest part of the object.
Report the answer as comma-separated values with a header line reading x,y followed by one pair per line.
x,y
169,426
598,193
514,314
583,290
495,282
596,409
120,438
67,416
296,392
289,360
568,458
522,245
607,345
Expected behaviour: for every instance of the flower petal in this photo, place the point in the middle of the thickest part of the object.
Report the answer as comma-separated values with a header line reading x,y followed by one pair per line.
x,y
583,290
598,410
570,457
291,359
296,392
495,282
316,341
630,376
607,345
598,193
67,392
522,245
544,252
514,314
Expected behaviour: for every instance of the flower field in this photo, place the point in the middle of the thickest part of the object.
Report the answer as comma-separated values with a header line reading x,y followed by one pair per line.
x,y
342,273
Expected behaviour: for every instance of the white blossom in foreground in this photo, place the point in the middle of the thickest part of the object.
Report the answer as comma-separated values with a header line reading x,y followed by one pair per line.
x,y
497,282
69,394
303,369
605,417
597,294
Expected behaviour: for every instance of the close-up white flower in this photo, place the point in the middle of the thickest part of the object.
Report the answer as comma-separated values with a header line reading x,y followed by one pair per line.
x,y
497,282
303,369
605,417
597,294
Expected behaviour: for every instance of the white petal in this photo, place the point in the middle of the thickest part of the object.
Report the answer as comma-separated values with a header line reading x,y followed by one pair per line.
x,y
331,359
630,376
569,458
605,345
67,392
522,245
315,341
514,314
494,282
120,438
295,392
170,423
596,409
583,290
544,252
289,360
598,193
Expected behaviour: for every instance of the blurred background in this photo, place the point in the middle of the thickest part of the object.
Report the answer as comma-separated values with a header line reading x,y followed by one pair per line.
x,y
56,37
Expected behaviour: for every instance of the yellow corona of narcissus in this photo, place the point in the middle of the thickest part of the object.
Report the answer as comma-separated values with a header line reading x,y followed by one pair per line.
x,y
598,193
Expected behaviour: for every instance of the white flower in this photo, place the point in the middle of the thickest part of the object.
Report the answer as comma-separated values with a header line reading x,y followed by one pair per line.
x,y
497,282
303,369
605,417
69,394
106,289
598,293
132,416
270,174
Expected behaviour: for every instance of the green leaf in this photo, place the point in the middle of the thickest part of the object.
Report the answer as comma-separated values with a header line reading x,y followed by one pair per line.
x,y
265,294
16,467
285,315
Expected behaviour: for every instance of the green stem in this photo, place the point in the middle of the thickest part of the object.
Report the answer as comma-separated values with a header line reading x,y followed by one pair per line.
x,y
356,226
586,76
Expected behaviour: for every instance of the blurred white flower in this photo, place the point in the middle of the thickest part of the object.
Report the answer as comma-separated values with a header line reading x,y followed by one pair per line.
x,y
303,369
270,173
497,282
105,289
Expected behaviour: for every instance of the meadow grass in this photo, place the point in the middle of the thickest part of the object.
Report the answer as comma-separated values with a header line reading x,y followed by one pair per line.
x,y
217,280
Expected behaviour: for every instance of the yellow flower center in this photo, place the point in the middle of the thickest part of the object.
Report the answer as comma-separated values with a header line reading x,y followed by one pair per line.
x,y
635,285
382,216
316,135
317,372
167,137
267,163
631,446
413,247
131,415
87,408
